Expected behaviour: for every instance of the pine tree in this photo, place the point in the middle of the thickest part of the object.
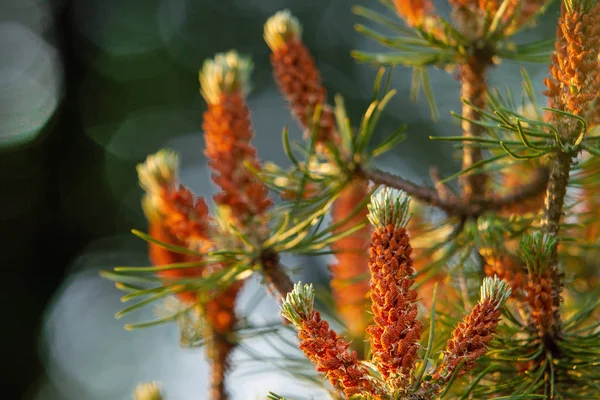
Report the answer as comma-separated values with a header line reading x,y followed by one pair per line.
x,y
523,226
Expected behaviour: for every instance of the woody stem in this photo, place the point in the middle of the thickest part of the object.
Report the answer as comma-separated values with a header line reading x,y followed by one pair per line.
x,y
453,206
275,274
560,167
473,88
220,350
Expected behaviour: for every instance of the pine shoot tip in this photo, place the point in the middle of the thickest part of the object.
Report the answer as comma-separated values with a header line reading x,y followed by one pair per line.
x,y
280,29
496,290
147,391
389,207
159,171
298,303
225,73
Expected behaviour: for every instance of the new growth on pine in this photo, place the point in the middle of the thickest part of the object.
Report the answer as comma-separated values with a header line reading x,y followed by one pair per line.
x,y
300,83
492,296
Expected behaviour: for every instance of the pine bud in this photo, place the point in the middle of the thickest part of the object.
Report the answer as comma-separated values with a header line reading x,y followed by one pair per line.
x,y
470,338
536,251
281,29
298,77
574,84
349,274
324,347
389,207
159,172
495,291
298,304
395,332
227,133
226,73
147,391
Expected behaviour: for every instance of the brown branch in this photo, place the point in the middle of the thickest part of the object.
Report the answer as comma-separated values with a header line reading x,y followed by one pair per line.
x,y
423,193
444,192
457,207
544,287
275,274
560,165
220,349
473,89
556,192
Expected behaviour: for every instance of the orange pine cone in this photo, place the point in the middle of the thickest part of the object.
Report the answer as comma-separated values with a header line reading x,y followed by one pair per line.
x,y
161,256
186,217
299,81
227,135
396,332
470,338
327,350
297,76
350,279
544,301
414,11
175,217
574,84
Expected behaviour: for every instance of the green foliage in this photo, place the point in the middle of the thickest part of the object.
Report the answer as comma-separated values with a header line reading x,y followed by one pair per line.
x,y
441,44
536,251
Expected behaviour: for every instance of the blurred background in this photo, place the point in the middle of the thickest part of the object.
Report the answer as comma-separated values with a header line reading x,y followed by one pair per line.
x,y
88,88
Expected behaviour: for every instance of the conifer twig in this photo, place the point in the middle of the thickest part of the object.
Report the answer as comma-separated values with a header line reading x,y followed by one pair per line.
x,y
299,81
457,207
224,81
555,194
473,89
220,349
573,92
324,347
275,274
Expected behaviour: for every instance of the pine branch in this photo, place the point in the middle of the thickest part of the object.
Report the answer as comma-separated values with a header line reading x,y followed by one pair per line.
x,y
555,195
275,274
422,193
473,88
220,349
457,207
